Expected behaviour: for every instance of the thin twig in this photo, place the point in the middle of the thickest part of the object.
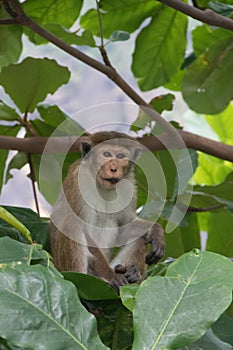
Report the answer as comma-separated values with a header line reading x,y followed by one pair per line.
x,y
101,47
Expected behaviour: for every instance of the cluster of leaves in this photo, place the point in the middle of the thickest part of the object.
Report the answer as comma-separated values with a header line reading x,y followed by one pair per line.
x,y
36,78
174,308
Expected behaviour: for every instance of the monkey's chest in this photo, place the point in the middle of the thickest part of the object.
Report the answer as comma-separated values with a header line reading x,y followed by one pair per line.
x,y
102,228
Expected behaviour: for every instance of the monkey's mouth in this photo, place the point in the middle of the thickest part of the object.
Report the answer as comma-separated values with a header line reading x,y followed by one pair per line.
x,y
112,180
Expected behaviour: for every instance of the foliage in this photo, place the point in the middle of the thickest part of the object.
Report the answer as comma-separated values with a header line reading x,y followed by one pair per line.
x,y
182,304
195,290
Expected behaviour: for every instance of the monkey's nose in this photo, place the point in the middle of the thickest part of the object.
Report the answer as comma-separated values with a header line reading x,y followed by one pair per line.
x,y
113,170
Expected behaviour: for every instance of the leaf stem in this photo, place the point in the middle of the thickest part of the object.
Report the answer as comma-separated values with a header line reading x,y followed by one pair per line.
x,y
11,219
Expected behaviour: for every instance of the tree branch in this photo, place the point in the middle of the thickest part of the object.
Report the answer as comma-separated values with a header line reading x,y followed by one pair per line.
x,y
207,16
175,139
37,144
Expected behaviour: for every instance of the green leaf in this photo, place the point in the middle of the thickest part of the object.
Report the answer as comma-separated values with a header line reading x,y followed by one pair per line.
x,y
223,328
190,233
204,3
175,81
119,35
55,117
14,251
209,341
71,38
127,294
7,131
220,8
114,323
10,41
8,113
42,128
211,170
196,290
53,11
17,162
160,104
13,221
90,287
118,15
47,309
36,78
163,103
37,226
204,36
160,48
207,196
220,233
199,86
222,124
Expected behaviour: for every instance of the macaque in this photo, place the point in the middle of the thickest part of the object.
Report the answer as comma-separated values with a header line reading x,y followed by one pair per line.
x,y
96,211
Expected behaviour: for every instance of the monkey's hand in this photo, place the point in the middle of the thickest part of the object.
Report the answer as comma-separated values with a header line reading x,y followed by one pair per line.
x,y
124,275
131,272
155,237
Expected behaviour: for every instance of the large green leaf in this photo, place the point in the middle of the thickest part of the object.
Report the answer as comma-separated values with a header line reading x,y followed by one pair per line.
x,y
118,15
160,48
7,131
43,311
220,234
35,78
53,11
195,291
10,41
199,87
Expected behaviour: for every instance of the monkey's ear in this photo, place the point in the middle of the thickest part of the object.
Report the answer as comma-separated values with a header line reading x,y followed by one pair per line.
x,y
85,147
137,151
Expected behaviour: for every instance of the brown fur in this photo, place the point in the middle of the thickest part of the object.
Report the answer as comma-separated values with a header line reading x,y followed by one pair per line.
x,y
69,250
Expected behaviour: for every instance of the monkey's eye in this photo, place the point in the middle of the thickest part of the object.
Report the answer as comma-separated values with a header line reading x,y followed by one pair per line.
x,y
120,155
107,154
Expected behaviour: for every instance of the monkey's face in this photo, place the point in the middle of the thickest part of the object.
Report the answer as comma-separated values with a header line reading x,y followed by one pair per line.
x,y
113,164
111,160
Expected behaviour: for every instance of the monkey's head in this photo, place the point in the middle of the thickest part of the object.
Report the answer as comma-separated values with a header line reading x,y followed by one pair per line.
x,y
111,155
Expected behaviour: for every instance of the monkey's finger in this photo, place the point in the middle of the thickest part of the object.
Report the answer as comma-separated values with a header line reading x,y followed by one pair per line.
x,y
151,259
133,275
120,269
155,255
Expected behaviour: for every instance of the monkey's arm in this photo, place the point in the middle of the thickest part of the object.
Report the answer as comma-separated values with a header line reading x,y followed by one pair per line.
x,y
136,253
99,267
